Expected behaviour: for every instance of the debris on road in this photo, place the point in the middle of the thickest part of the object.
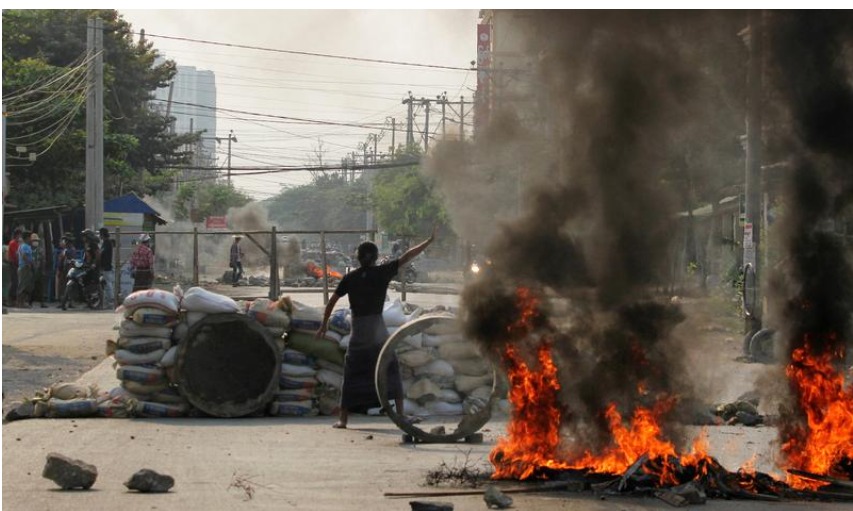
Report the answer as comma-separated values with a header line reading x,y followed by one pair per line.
x,y
420,505
495,498
69,473
149,481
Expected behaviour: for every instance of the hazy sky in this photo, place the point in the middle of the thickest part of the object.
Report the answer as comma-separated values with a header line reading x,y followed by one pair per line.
x,y
314,87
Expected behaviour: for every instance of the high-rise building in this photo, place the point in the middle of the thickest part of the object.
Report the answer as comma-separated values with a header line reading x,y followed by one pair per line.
x,y
193,105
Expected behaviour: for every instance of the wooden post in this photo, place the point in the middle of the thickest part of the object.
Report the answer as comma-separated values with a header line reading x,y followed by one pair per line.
x,y
403,280
195,256
325,274
117,269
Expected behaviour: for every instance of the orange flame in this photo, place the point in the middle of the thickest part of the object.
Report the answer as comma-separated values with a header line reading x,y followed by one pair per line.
x,y
827,436
312,269
533,442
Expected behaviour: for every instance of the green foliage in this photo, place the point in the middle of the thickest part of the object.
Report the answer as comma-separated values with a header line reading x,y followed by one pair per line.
x,y
43,44
196,201
330,202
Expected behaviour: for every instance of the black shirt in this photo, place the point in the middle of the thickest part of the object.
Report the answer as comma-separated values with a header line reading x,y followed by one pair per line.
x,y
367,287
106,255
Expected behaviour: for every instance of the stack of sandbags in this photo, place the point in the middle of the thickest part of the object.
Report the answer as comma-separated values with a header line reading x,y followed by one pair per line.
x,y
396,314
297,395
443,373
304,323
144,353
274,315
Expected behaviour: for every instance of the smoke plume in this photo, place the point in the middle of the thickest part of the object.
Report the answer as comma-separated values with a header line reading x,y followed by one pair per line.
x,y
594,224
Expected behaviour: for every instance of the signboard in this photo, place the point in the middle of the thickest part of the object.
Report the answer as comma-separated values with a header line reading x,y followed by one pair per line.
x,y
748,242
215,222
134,220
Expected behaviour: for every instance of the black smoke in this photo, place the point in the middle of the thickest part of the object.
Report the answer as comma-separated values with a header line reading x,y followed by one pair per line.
x,y
597,221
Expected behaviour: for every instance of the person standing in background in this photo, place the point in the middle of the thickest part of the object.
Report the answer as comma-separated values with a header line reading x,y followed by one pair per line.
x,y
65,255
39,282
236,260
25,272
142,264
105,263
12,257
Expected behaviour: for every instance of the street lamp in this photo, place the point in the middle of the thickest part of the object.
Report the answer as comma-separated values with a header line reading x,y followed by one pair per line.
x,y
231,138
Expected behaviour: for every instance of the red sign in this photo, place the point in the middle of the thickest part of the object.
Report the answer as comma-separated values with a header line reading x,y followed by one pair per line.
x,y
215,222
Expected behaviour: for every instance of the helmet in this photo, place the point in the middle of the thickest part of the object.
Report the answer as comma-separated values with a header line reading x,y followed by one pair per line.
x,y
144,238
89,235
103,231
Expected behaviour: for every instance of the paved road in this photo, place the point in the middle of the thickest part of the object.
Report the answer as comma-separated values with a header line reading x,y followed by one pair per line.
x,y
284,462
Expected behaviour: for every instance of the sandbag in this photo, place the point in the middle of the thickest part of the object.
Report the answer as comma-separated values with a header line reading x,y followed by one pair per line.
x,y
416,357
296,382
449,396
169,395
457,350
180,331
325,364
484,392
443,327
290,356
344,344
169,357
340,321
422,390
330,378
144,374
413,408
293,395
66,408
197,299
333,336
69,391
125,357
304,317
270,313
116,408
297,370
436,368
130,328
393,313
156,298
276,332
444,408
149,409
471,366
292,408
143,344
433,341
194,317
466,384
142,389
329,404
154,316
321,348
410,341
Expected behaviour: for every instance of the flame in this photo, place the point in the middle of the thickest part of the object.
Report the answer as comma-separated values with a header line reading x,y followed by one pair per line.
x,y
534,427
313,270
826,438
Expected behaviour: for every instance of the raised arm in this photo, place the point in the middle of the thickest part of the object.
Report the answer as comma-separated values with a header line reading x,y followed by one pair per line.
x,y
417,249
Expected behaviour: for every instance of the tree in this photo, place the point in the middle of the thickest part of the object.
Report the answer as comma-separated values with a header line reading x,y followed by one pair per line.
x,y
196,201
405,200
46,114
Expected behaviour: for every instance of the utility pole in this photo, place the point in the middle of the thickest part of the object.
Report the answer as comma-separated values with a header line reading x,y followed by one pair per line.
x,y
375,140
462,118
393,136
426,125
443,100
752,188
410,137
231,138
95,124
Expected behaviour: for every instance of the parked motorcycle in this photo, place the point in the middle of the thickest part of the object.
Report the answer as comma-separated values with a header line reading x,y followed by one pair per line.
x,y
85,284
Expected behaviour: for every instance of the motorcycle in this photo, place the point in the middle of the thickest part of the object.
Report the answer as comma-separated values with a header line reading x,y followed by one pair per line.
x,y
85,284
410,271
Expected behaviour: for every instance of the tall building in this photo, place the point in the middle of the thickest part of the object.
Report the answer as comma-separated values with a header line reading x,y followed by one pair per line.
x,y
193,105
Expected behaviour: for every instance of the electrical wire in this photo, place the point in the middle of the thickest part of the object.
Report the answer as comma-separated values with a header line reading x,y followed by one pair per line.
x,y
306,53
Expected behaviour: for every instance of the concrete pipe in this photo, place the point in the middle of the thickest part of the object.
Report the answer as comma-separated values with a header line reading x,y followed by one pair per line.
x,y
228,365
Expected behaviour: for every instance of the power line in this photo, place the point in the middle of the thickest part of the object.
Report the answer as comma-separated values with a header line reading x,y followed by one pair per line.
x,y
255,171
305,53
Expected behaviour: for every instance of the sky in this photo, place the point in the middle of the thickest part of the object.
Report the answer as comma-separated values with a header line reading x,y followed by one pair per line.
x,y
316,88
